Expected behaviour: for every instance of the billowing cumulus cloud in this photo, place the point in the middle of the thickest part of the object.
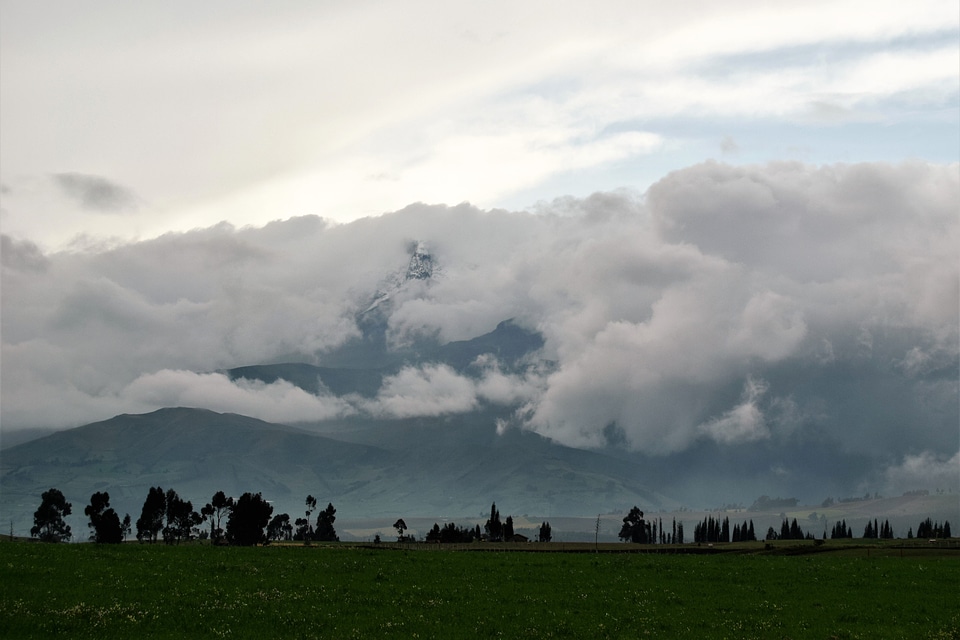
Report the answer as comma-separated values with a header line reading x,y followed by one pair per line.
x,y
425,391
729,306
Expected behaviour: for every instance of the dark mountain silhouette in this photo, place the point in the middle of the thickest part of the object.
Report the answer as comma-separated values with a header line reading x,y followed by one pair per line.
x,y
509,343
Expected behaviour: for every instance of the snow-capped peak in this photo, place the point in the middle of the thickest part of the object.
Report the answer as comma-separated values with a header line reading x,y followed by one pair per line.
x,y
421,264
420,267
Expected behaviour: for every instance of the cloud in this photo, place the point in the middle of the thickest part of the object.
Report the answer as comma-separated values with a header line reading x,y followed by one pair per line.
x,y
743,423
21,255
926,470
95,193
577,100
765,306
432,390
277,402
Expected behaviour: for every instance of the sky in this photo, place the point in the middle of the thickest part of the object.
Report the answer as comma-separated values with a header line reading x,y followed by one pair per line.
x,y
733,223
124,120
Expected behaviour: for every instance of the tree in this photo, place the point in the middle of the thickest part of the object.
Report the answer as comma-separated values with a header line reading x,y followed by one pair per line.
x,y
105,526
508,528
48,523
150,521
125,526
311,504
280,528
248,518
796,533
545,534
493,526
218,507
181,519
400,526
634,527
325,519
303,530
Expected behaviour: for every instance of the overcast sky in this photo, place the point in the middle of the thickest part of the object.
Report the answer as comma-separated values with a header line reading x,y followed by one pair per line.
x,y
733,223
132,119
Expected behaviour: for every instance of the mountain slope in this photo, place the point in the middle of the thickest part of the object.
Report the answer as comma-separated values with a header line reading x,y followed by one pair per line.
x,y
193,451
509,342
443,466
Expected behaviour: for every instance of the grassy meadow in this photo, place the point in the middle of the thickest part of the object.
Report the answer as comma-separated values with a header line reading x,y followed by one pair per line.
x,y
158,591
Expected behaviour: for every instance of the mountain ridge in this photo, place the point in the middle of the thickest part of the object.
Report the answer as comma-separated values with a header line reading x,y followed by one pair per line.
x,y
429,466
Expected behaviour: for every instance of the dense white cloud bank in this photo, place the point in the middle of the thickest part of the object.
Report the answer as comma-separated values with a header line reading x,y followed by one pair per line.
x,y
728,303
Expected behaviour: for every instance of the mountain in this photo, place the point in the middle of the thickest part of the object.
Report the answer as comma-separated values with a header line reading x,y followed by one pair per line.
x,y
509,342
443,467
313,379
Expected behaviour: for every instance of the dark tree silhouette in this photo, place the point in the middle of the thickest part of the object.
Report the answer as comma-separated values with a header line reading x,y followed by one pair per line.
x,y
154,509
508,528
634,527
311,504
105,526
303,530
181,519
545,534
450,533
400,526
280,528
48,523
248,518
325,519
218,508
493,526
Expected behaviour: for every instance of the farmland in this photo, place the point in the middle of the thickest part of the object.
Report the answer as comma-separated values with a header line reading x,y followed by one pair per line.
x,y
154,591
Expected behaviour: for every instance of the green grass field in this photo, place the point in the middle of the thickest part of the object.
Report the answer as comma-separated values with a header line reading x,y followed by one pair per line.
x,y
157,591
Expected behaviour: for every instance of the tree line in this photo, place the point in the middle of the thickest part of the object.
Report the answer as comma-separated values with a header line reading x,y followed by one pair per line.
x,y
494,530
247,521
637,530
168,517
